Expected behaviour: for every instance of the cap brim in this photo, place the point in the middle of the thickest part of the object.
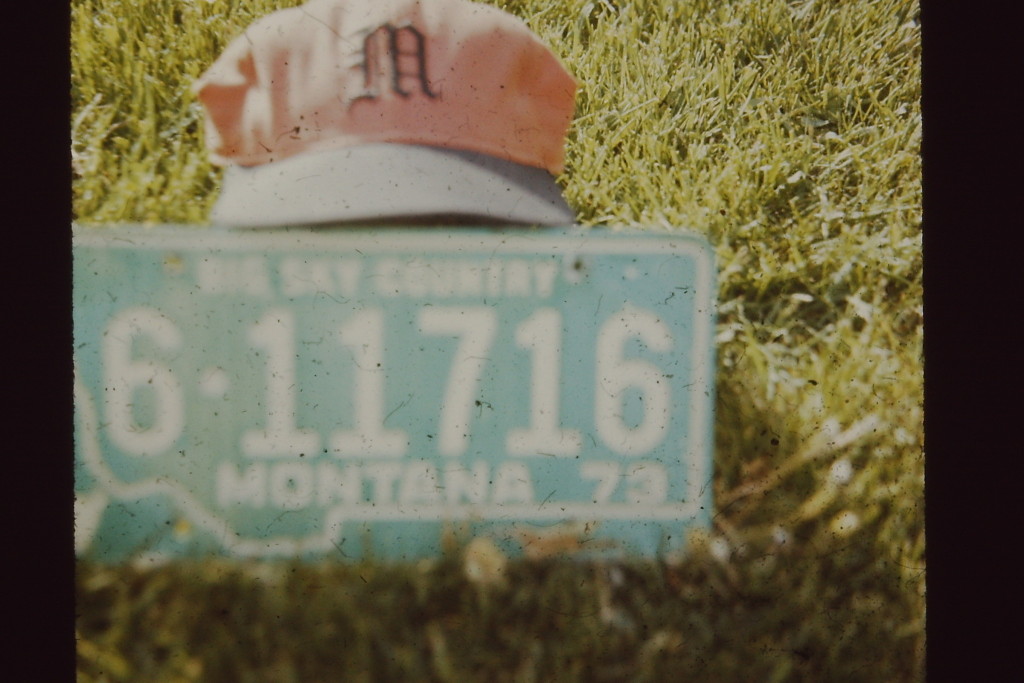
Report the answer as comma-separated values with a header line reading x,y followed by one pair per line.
x,y
392,183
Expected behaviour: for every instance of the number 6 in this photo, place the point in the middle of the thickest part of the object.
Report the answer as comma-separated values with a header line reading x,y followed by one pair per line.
x,y
616,374
124,377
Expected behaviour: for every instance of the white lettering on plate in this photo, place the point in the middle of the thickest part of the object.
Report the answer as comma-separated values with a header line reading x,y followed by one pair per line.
x,y
294,485
301,276
233,275
449,278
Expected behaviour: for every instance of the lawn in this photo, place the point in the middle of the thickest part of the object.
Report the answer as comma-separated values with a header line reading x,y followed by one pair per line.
x,y
788,133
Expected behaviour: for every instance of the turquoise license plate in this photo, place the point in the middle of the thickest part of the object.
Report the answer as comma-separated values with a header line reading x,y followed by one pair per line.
x,y
379,394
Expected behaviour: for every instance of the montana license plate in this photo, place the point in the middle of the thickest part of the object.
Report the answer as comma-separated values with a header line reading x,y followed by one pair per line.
x,y
379,393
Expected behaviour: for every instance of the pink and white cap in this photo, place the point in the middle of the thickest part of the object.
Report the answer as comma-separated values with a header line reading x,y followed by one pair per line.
x,y
367,110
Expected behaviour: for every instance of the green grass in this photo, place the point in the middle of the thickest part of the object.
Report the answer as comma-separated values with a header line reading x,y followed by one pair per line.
x,y
788,133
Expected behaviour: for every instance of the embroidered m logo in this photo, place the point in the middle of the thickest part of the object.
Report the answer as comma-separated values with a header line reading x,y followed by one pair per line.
x,y
395,58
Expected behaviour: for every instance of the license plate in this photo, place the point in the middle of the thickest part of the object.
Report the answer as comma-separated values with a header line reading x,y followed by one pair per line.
x,y
381,393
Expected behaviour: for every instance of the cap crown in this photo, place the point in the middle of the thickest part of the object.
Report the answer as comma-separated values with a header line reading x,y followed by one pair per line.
x,y
337,73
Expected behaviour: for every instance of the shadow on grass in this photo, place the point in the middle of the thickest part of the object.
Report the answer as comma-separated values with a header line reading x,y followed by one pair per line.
x,y
836,615
751,601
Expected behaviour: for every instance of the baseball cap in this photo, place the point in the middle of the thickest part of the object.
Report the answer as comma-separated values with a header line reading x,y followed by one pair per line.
x,y
342,111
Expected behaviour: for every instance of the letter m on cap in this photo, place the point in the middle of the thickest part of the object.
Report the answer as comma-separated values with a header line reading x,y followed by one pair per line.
x,y
395,58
